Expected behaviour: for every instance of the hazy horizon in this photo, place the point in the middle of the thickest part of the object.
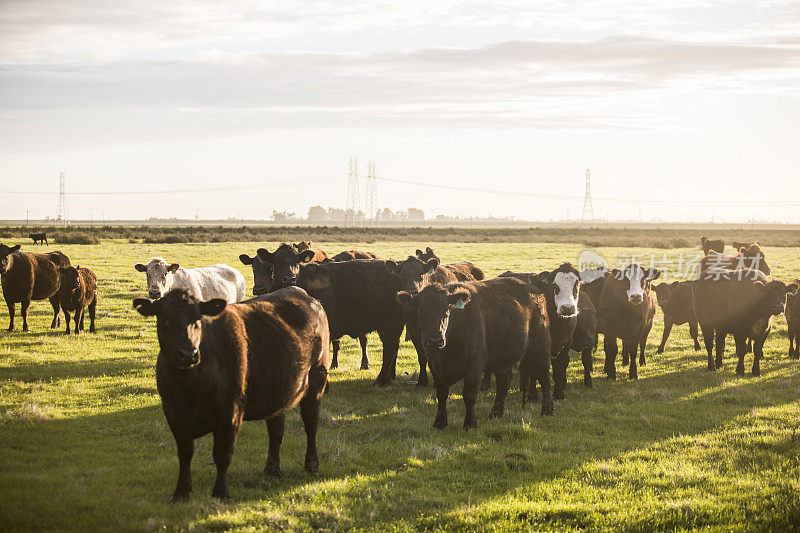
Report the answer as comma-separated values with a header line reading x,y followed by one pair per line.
x,y
682,113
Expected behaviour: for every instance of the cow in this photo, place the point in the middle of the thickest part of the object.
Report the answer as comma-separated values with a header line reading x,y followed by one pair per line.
x,y
319,254
584,338
427,255
30,276
751,258
707,244
38,237
416,274
675,300
741,246
793,323
358,296
591,274
349,255
561,288
741,302
78,292
625,311
262,273
220,363
205,283
473,327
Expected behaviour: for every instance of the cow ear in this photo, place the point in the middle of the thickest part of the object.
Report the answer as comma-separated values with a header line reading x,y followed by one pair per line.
x,y
792,288
16,248
264,255
173,267
213,307
391,266
140,267
246,259
652,273
405,298
145,307
432,264
419,253
547,276
429,250
458,297
307,256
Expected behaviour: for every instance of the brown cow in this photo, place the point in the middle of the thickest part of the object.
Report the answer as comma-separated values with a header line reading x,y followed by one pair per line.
x,y
78,291
349,255
750,258
29,276
793,323
740,246
222,363
39,237
741,302
675,300
626,310
319,254
469,328
416,274
717,245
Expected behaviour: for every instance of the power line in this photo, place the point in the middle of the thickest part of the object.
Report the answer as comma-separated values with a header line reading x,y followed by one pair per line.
x,y
587,201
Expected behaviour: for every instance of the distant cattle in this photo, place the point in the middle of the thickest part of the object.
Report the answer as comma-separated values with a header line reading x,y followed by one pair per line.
x,y
29,276
358,296
491,325
675,300
793,323
625,311
740,246
204,283
38,237
707,244
415,275
320,255
741,302
78,292
349,255
219,364
751,258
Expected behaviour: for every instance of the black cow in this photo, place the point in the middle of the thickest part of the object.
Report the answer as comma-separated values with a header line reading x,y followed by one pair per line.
x,y
675,300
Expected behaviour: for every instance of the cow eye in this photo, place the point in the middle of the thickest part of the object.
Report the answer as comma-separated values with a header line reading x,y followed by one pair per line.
x,y
556,289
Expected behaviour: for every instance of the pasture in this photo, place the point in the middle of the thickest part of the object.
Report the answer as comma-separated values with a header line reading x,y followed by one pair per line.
x,y
84,444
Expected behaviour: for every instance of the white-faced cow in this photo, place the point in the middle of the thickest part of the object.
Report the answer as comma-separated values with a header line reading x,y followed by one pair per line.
x,y
204,283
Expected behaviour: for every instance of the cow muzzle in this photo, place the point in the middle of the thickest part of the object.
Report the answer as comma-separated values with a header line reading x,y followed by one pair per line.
x,y
258,291
434,343
635,298
187,359
567,311
154,293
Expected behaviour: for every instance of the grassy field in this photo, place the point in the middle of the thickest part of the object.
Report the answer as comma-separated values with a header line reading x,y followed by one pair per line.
x,y
84,444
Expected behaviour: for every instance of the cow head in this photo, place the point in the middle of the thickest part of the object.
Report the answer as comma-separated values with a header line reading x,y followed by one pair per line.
x,y
664,292
262,273
753,258
160,276
773,295
637,280
285,263
70,278
563,284
434,304
6,257
179,324
426,255
302,246
412,272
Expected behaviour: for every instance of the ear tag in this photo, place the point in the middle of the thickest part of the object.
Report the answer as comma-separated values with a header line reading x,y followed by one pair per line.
x,y
459,304
431,271
794,293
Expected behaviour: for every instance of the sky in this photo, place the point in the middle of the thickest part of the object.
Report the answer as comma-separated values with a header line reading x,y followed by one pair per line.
x,y
683,110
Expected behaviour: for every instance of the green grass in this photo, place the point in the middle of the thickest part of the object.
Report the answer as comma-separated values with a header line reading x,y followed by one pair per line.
x,y
84,444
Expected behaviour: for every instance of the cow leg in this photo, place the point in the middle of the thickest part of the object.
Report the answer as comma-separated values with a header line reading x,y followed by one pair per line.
x,y
560,364
624,354
588,363
23,310
643,344
391,343
275,429
362,340
758,353
749,345
719,341
185,452
10,316
665,336
442,392
610,349
78,320
741,351
309,410
67,318
693,333
55,301
422,380
335,344
629,348
92,310
472,383
486,382
502,382
708,340
539,354
223,452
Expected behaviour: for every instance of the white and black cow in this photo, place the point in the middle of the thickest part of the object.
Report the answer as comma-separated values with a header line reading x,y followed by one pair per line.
x,y
204,283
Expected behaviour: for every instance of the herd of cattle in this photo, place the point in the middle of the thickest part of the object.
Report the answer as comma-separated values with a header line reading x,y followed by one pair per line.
x,y
224,358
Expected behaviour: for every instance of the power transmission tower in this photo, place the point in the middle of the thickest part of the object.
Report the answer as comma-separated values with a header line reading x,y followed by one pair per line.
x,y
61,211
353,205
587,201
371,200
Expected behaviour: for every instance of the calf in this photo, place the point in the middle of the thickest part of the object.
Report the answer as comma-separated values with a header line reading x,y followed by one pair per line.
x,y
28,276
319,254
38,237
741,302
219,364
78,291
473,327
349,255
216,281
675,300
751,258
358,296
793,323
625,311
415,275
717,245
